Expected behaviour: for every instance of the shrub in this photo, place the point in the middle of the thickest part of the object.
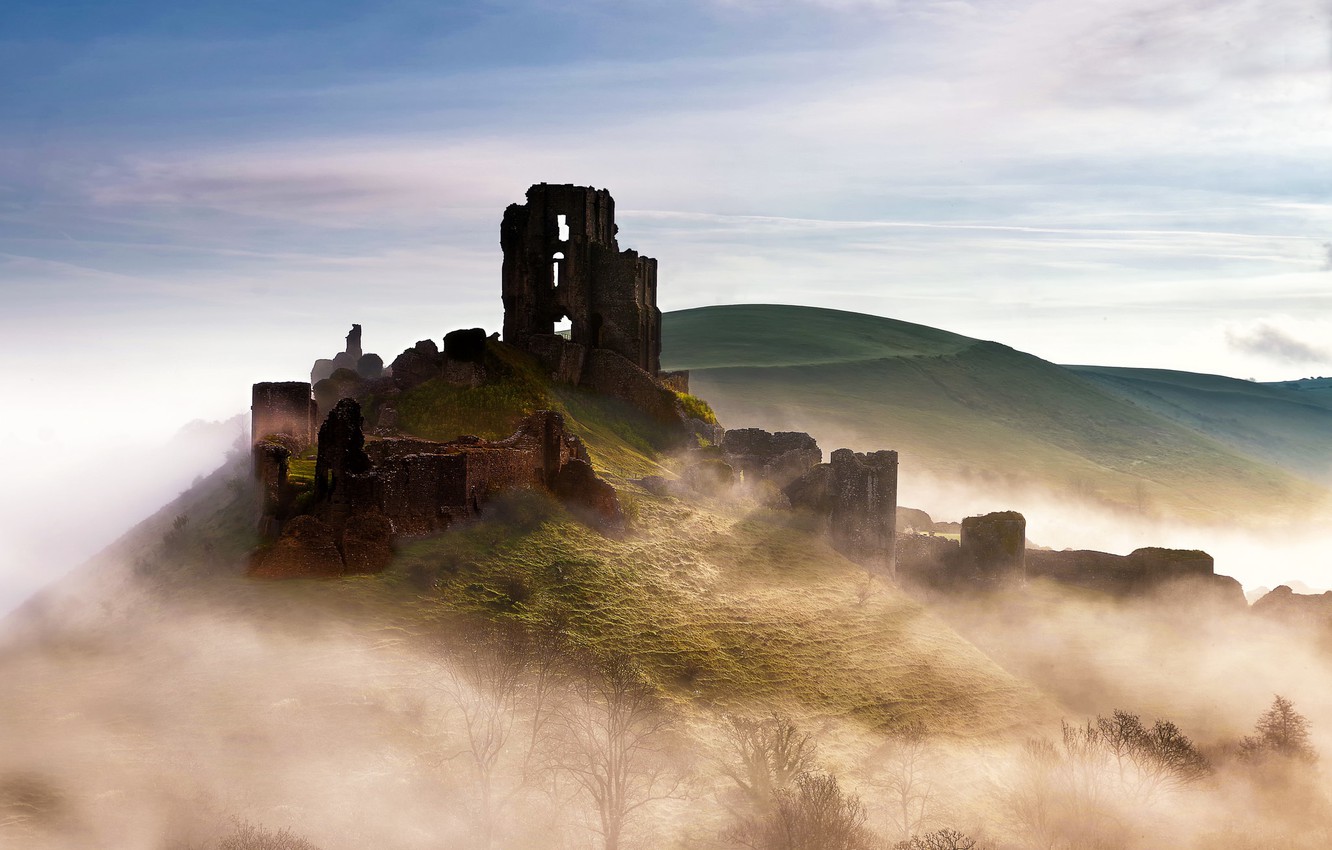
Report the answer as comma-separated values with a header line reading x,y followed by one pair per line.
x,y
251,836
697,408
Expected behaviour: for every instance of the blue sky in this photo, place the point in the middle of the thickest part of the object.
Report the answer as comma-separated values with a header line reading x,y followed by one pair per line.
x,y
195,196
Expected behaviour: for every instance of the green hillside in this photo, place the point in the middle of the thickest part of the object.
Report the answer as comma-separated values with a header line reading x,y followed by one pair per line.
x,y
964,410
1284,425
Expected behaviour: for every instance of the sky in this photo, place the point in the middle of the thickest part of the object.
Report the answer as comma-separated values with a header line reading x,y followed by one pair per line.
x,y
197,196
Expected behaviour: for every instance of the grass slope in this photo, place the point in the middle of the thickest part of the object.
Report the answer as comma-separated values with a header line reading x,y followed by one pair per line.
x,y
1290,427
726,608
963,409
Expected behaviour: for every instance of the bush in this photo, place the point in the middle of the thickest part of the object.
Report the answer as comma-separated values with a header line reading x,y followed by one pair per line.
x,y
697,408
943,839
814,815
250,836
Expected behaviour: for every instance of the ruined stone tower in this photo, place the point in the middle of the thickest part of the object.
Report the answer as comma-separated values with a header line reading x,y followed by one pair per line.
x,y
282,408
994,546
561,261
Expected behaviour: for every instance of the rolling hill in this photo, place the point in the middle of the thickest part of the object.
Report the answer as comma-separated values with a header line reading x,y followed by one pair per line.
x,y
1277,423
969,411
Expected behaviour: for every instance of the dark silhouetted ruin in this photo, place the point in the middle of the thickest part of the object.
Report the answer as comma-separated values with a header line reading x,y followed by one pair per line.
x,y
760,455
994,546
857,492
375,489
351,358
562,261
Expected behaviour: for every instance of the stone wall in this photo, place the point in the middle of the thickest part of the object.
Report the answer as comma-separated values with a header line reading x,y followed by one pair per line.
x,y
779,457
1137,572
282,408
413,487
676,380
608,373
994,546
857,493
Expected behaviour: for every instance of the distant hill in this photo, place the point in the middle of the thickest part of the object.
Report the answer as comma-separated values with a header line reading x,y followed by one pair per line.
x,y
1317,390
1288,423
966,410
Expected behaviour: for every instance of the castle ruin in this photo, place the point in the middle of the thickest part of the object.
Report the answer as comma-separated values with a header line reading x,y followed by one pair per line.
x,y
562,261
283,408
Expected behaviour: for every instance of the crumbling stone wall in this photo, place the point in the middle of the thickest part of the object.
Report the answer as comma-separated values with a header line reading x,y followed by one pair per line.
x,y
676,380
1138,572
351,358
779,457
368,491
608,373
857,493
577,271
282,408
994,546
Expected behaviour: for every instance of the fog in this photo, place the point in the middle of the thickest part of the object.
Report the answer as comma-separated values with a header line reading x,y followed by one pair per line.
x,y
1258,551
174,712
69,496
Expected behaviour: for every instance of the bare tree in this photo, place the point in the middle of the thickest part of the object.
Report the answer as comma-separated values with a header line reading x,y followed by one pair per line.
x,y
815,814
902,767
485,672
943,839
1149,760
1281,731
1068,796
615,744
1031,797
764,756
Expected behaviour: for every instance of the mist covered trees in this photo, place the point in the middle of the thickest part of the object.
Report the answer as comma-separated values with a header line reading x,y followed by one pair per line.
x,y
1281,732
902,769
615,743
763,757
529,714
1076,792
814,813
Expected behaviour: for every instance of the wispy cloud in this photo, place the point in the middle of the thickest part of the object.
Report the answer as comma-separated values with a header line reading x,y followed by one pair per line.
x,y
1272,342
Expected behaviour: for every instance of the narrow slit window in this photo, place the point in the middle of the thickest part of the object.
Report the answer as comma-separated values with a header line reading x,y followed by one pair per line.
x,y
563,223
555,264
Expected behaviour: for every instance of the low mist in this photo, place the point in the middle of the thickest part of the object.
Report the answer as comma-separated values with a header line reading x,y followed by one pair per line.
x,y
167,715
1255,552
71,496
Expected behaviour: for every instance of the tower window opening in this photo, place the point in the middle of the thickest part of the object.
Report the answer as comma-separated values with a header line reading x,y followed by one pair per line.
x,y
555,264
563,223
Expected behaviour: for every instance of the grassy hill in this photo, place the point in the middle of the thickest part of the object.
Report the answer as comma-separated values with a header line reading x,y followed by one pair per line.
x,y
965,410
727,606
1286,425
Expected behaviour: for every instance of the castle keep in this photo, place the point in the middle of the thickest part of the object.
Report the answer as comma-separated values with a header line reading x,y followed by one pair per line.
x,y
562,261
